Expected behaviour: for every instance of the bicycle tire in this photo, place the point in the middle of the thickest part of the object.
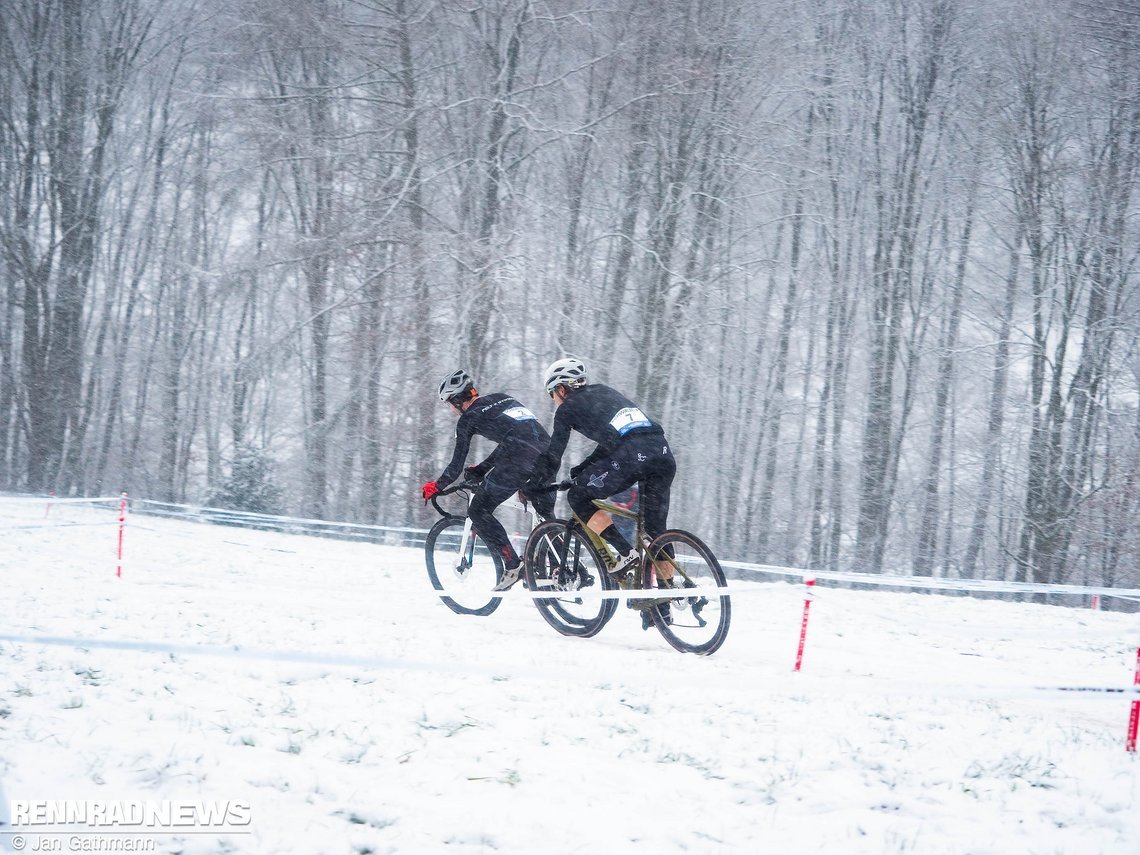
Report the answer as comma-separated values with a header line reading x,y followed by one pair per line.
x,y
696,624
466,591
578,617
557,609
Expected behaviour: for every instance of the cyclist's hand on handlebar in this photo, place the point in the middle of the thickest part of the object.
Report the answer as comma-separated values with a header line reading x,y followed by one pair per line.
x,y
475,473
577,470
429,490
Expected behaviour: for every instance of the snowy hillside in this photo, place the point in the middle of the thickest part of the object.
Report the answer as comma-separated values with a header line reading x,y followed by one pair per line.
x,y
322,682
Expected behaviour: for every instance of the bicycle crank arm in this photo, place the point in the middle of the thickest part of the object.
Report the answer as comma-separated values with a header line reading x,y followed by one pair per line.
x,y
642,605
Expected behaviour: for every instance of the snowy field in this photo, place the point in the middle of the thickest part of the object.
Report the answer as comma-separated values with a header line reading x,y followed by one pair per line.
x,y
323,684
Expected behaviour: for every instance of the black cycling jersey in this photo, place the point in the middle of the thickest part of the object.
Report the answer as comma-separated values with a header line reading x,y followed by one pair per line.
x,y
501,419
631,449
599,413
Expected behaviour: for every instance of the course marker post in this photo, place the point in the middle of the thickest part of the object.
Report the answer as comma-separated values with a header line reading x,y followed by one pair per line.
x,y
809,581
1134,717
122,523
47,508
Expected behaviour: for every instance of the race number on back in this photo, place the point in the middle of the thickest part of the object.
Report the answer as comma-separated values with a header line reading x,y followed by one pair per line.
x,y
627,419
520,414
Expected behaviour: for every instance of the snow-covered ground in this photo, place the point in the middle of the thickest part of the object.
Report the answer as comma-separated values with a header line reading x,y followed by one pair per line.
x,y
322,683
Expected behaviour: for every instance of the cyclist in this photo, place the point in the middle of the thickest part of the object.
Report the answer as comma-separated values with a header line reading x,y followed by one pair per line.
x,y
631,449
520,441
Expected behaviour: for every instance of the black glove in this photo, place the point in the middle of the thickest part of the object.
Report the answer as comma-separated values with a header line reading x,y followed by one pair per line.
x,y
575,471
475,473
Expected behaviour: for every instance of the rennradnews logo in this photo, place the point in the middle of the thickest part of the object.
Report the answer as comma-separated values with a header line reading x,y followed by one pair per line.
x,y
124,814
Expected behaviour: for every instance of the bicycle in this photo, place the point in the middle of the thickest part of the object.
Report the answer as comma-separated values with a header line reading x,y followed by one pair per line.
x,y
459,565
560,554
558,559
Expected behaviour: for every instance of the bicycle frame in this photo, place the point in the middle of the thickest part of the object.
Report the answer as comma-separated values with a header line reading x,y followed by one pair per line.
x,y
463,579
466,550
641,539
685,624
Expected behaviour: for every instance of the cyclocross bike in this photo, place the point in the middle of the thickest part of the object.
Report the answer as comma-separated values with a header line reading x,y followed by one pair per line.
x,y
460,566
564,559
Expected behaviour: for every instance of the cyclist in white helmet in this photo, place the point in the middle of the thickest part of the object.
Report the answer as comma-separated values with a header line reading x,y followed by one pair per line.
x,y
520,441
631,449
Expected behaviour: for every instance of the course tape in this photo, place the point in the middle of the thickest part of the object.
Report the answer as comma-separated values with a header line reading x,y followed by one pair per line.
x,y
597,593
838,686
981,586
933,583
53,500
54,525
917,582
223,516
298,657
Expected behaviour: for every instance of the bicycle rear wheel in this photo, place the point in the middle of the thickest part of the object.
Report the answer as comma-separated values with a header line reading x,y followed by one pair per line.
x,y
464,579
562,560
697,624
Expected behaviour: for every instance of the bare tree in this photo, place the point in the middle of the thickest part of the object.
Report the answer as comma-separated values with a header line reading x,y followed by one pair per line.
x,y
903,161
73,61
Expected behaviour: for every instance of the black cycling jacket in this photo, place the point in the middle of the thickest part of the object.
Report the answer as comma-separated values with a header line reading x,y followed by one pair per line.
x,y
504,421
599,413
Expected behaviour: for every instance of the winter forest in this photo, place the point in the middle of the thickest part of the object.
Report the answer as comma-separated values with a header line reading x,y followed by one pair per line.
x,y
873,263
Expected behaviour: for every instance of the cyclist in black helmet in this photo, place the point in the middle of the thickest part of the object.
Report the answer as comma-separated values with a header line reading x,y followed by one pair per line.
x,y
520,441
631,449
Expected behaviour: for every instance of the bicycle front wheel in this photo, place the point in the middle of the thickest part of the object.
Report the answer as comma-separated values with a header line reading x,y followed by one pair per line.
x,y
696,624
561,561
462,570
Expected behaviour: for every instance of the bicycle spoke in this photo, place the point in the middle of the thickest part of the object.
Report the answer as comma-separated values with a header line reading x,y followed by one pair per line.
x,y
462,569
558,560
696,624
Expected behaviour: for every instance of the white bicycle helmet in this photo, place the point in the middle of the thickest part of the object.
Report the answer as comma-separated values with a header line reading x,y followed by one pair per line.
x,y
567,371
455,383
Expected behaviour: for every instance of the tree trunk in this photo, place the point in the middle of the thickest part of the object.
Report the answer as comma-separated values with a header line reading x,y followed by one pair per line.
x,y
995,419
926,549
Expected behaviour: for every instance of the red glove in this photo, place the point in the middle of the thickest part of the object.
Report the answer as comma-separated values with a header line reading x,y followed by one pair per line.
x,y
430,489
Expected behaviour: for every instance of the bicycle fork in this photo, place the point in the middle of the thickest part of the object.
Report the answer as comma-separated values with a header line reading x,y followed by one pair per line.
x,y
466,551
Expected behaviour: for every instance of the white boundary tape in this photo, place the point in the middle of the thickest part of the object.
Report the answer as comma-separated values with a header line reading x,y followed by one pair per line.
x,y
915,582
935,583
593,593
194,513
49,524
54,500
918,583
219,515
840,686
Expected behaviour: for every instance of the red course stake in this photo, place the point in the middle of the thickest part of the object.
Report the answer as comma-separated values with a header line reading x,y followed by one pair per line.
x,y
122,522
810,582
1134,718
